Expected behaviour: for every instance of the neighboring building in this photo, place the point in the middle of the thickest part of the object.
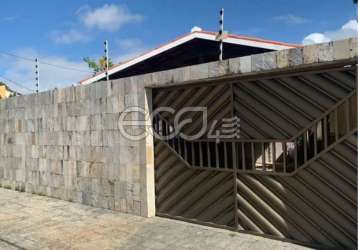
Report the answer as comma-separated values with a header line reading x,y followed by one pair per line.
x,y
194,48
6,92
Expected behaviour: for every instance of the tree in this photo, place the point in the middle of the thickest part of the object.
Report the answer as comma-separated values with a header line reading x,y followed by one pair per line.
x,y
97,66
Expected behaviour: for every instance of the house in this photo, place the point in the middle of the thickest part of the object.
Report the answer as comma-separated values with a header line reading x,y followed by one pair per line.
x,y
194,48
5,91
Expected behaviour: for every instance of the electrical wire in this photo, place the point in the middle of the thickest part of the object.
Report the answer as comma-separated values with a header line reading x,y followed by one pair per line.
x,y
16,84
45,63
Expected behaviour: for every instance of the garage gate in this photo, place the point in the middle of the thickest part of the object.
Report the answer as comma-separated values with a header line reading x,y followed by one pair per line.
x,y
289,171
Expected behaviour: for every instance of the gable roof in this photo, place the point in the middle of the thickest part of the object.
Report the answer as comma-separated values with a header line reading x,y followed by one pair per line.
x,y
206,35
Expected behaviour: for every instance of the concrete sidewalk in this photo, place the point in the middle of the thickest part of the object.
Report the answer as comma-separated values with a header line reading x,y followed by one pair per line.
x,y
36,222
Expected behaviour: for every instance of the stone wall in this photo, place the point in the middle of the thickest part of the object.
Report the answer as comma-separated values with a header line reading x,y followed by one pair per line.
x,y
66,144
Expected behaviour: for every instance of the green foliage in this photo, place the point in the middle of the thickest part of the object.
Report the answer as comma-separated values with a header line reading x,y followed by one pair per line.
x,y
97,66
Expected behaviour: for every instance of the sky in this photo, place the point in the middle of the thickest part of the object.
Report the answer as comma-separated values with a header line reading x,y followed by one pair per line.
x,y
62,33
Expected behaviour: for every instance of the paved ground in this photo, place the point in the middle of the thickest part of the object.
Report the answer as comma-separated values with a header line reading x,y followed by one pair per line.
x,y
36,222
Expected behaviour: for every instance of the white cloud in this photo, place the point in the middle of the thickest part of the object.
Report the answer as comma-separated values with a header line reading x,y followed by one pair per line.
x,y
68,37
127,56
129,48
291,19
109,17
130,44
8,18
349,29
23,72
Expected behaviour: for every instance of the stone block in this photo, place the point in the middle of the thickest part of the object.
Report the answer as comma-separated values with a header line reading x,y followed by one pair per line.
x,y
354,47
84,184
130,100
295,57
165,77
96,169
265,61
108,187
325,52
137,207
178,75
121,205
56,181
234,65
83,123
341,49
111,138
144,80
245,64
218,68
310,54
87,198
196,72
96,138
110,121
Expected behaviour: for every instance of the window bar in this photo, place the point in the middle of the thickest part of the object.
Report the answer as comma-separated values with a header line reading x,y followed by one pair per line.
x,y
179,145
346,105
325,131
175,142
305,134
165,129
284,146
243,156
166,132
253,156
208,152
315,140
160,127
225,155
157,121
274,156
201,154
263,156
234,159
155,124
185,151
336,125
296,153
170,142
169,131
217,155
193,154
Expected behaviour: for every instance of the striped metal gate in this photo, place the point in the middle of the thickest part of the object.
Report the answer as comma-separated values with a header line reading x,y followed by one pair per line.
x,y
292,172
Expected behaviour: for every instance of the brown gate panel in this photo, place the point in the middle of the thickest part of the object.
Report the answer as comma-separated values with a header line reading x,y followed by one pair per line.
x,y
199,195
317,205
291,174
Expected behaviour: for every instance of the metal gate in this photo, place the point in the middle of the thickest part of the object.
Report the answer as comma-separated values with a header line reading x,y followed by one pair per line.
x,y
291,174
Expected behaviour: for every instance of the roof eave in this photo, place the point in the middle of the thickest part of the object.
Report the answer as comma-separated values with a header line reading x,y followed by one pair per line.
x,y
197,34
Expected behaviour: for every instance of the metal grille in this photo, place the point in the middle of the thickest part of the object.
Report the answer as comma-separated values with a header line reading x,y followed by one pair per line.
x,y
270,156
